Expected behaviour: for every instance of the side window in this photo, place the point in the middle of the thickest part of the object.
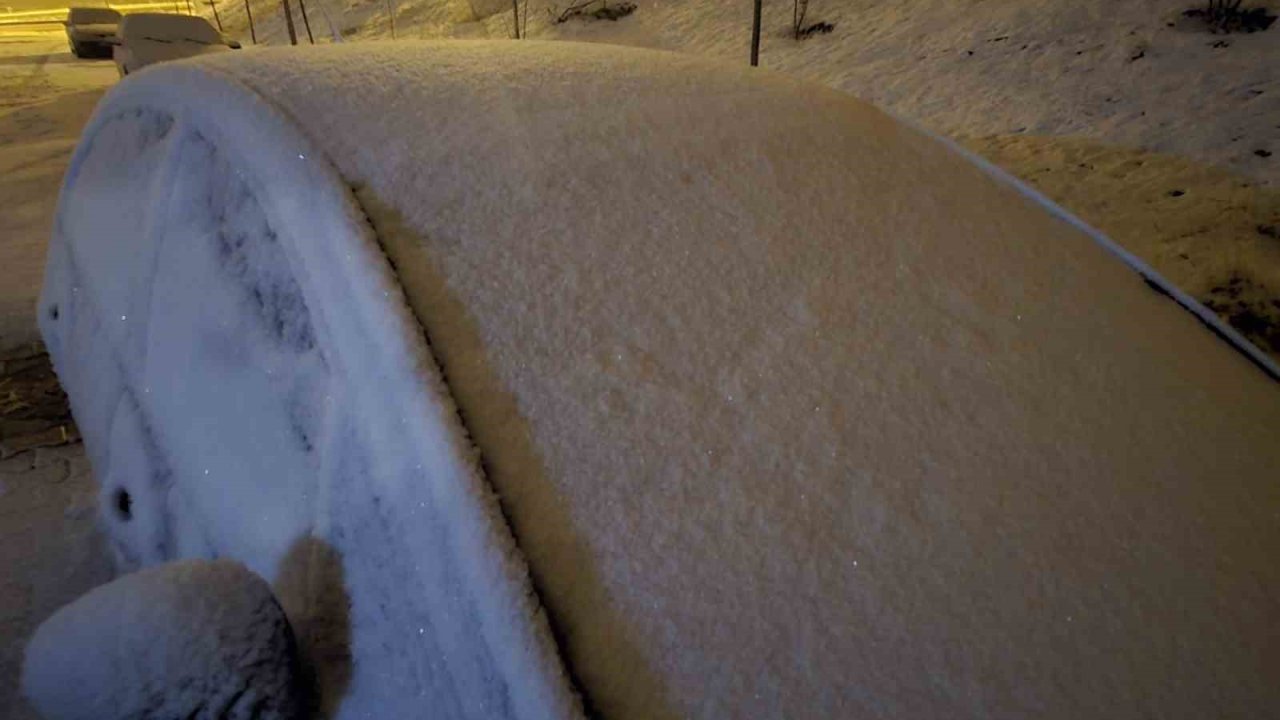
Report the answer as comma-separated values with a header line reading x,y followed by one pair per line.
x,y
227,308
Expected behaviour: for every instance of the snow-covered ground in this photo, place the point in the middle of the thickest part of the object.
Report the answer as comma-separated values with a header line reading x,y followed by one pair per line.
x,y
50,551
45,98
50,548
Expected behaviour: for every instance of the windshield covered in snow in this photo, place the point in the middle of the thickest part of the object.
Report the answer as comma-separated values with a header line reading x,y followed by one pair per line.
x,y
93,16
162,28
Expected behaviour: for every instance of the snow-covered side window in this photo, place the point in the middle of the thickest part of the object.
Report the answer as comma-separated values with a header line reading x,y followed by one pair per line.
x,y
228,310
249,252
112,195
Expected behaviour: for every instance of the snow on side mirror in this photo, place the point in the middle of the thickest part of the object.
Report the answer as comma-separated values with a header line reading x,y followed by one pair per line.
x,y
98,657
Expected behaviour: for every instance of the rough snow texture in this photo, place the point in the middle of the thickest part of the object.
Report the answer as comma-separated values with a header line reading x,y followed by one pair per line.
x,y
794,411
797,413
250,384
191,639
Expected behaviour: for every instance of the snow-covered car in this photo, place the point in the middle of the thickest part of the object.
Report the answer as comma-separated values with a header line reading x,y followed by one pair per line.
x,y
148,38
91,31
537,377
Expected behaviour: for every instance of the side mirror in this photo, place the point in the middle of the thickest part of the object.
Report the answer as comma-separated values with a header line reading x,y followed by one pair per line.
x,y
233,44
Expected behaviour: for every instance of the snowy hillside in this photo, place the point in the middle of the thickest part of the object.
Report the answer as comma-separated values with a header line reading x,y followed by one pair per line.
x,y
1134,117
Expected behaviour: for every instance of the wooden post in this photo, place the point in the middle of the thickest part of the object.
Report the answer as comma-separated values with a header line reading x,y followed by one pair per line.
x,y
288,21
305,22
253,35
515,14
755,35
214,6
391,13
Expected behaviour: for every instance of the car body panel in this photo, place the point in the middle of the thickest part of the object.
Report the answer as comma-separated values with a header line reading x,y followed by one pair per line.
x,y
91,30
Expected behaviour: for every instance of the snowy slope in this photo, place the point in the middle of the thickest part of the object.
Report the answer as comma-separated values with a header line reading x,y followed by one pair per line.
x,y
792,411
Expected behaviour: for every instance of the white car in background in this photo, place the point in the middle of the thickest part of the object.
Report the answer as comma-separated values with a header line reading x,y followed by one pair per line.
x,y
147,38
91,31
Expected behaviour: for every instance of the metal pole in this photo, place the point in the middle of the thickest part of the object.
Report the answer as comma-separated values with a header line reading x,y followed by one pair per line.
x,y
515,14
214,6
288,21
252,34
391,13
306,23
328,19
755,35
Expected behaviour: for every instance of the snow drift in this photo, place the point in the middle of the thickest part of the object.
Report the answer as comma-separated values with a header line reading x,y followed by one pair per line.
x,y
791,410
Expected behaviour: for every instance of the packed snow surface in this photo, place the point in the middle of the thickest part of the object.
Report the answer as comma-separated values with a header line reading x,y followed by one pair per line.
x,y
792,410
190,639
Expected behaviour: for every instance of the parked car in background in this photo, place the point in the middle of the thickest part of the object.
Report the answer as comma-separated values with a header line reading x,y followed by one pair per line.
x,y
91,31
146,38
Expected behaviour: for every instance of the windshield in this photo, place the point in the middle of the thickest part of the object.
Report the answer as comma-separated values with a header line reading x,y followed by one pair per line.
x,y
93,16
161,28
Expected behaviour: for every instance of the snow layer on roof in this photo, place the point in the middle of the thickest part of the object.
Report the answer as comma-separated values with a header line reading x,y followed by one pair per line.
x,y
250,384
794,411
